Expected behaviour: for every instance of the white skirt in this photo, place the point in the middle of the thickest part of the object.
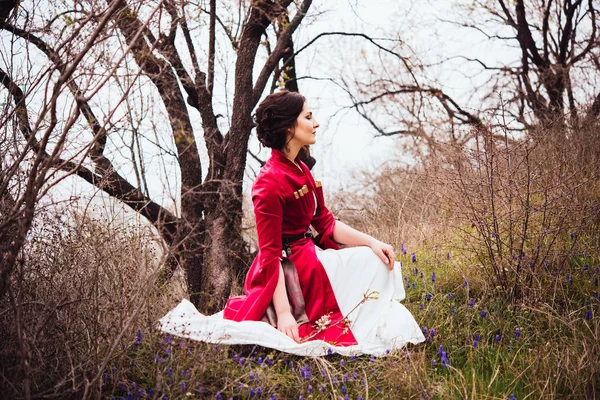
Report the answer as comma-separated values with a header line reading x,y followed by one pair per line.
x,y
379,325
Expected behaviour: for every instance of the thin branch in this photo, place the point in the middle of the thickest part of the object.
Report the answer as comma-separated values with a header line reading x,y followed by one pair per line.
x,y
278,51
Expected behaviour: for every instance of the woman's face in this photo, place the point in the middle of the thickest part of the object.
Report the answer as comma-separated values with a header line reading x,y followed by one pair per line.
x,y
304,132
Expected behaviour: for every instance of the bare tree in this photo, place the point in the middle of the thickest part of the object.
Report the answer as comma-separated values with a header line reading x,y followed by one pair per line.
x,y
554,76
557,41
129,45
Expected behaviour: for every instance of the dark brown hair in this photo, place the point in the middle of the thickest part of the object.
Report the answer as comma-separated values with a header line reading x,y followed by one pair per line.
x,y
275,114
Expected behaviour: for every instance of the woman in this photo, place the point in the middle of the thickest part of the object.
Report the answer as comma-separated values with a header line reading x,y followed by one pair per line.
x,y
346,298
287,201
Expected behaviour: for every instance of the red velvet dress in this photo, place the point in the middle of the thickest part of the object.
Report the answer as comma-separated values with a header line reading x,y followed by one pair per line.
x,y
283,209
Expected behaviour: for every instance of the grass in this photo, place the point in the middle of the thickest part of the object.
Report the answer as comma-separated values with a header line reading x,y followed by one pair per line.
x,y
481,344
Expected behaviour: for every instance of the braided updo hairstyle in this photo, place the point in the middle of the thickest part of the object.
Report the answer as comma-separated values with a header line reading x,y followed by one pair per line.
x,y
275,114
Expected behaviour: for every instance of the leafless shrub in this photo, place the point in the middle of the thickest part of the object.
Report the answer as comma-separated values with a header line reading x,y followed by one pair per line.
x,y
523,207
81,289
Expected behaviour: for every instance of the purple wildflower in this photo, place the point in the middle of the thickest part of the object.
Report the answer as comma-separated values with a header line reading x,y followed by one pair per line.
x,y
433,277
478,337
483,313
586,267
471,302
252,393
588,315
258,391
448,255
497,338
445,361
183,387
428,297
218,396
138,338
323,388
450,296
310,389
434,363
518,332
421,306
414,257
342,362
475,343
403,249
329,351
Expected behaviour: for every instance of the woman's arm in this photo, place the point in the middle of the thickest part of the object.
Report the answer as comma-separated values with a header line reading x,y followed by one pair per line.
x,y
286,322
344,234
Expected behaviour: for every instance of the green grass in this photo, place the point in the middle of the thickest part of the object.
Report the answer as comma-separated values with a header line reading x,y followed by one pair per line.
x,y
555,355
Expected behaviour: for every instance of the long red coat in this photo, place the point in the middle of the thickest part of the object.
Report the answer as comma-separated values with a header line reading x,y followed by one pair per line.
x,y
282,209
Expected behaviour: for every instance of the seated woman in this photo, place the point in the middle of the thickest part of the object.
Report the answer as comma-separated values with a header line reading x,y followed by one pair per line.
x,y
301,282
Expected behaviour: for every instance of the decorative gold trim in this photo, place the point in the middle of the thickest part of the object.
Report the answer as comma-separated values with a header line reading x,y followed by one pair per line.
x,y
317,183
296,195
304,190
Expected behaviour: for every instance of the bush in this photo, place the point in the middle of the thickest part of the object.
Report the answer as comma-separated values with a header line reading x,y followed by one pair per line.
x,y
82,286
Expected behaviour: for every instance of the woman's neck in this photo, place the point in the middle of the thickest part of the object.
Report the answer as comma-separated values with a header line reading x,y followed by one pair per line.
x,y
292,154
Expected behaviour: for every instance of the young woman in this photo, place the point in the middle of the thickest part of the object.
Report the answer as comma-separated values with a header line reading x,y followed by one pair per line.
x,y
301,282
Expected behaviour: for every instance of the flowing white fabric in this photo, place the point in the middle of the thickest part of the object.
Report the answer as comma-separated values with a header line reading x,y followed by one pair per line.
x,y
378,325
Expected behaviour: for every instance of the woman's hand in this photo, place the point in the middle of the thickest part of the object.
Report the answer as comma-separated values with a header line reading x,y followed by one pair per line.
x,y
286,323
385,252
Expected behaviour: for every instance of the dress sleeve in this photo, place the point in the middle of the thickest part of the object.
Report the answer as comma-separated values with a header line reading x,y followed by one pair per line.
x,y
323,221
268,210
263,275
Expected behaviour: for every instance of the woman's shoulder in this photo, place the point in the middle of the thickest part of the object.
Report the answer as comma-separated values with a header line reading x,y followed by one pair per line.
x,y
269,178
